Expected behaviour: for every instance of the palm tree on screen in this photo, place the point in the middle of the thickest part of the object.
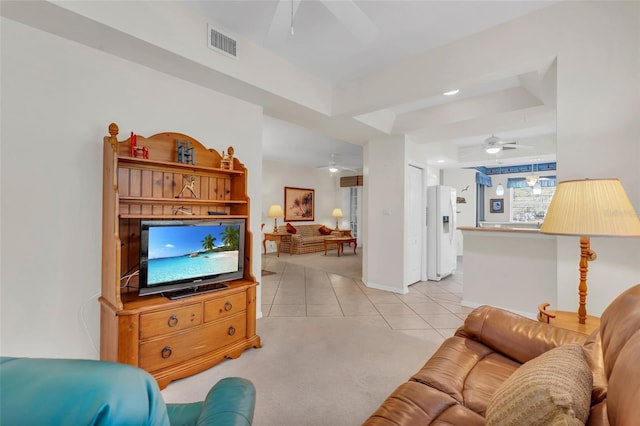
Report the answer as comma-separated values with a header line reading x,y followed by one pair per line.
x,y
208,242
231,237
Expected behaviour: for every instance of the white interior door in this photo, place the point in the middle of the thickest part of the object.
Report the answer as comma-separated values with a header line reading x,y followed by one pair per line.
x,y
415,225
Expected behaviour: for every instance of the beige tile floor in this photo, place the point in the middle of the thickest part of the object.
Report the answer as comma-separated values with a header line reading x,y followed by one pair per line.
x,y
309,288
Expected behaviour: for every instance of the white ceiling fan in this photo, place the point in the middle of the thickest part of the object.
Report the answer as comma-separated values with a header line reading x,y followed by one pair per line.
x,y
494,144
334,167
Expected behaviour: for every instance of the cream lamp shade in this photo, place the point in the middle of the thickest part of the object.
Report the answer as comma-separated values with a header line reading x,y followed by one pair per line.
x,y
337,213
591,207
275,211
586,208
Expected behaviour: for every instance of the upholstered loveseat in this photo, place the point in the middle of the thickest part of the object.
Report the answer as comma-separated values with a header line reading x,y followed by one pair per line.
x,y
307,239
44,391
503,369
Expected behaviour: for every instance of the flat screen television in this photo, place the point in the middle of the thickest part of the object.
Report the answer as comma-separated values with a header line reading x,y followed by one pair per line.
x,y
183,257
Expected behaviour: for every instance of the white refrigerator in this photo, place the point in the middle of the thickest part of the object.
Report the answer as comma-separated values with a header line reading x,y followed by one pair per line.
x,y
441,227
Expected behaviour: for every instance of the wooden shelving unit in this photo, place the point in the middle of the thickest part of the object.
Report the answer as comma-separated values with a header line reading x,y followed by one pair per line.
x,y
170,338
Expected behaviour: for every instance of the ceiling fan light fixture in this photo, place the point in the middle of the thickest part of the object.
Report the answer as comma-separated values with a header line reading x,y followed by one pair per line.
x,y
452,92
333,169
531,180
492,149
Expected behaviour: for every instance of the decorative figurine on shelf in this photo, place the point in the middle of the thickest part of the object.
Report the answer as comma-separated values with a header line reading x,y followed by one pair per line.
x,y
136,150
182,210
189,183
227,159
185,153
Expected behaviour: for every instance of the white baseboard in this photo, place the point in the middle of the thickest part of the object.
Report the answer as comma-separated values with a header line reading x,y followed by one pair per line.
x,y
385,288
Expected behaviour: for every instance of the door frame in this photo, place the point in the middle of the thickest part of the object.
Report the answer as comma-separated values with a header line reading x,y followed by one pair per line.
x,y
423,217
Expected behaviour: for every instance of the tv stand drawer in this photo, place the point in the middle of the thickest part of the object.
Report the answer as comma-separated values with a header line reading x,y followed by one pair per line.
x,y
224,306
174,349
170,320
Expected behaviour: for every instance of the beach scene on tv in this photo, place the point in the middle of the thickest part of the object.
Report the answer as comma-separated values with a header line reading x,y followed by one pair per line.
x,y
183,252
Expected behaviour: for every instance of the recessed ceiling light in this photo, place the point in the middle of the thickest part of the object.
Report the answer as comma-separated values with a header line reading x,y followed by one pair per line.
x,y
451,92
440,161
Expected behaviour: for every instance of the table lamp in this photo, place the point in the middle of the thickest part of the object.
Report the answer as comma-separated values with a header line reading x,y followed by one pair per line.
x,y
590,207
275,211
337,213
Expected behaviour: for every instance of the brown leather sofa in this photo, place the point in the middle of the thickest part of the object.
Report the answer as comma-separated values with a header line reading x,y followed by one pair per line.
x,y
456,384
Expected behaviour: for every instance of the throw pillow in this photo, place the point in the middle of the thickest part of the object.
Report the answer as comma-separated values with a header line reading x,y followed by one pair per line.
x,y
324,230
291,229
553,388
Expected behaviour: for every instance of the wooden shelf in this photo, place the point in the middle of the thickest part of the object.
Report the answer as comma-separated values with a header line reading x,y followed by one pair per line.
x,y
169,201
182,216
182,166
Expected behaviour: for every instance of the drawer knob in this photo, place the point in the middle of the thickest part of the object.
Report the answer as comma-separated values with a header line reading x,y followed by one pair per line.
x,y
173,321
166,352
232,330
228,306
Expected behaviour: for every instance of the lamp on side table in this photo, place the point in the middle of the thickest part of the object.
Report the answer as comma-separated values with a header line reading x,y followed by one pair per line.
x,y
275,211
337,213
586,208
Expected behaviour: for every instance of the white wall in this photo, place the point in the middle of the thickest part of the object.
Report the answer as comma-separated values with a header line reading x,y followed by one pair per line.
x,y
58,98
384,183
598,128
275,176
511,270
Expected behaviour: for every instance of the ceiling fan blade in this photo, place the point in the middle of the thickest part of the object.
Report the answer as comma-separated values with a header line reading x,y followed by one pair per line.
x,y
514,145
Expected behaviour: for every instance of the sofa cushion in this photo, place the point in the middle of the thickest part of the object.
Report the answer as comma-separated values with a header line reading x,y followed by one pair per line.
x,y
466,370
414,403
291,229
324,230
554,387
313,240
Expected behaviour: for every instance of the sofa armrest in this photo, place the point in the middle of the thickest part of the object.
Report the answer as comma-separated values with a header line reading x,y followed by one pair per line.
x,y
230,402
513,335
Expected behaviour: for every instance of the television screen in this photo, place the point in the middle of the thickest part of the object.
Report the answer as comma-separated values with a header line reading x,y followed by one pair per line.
x,y
187,254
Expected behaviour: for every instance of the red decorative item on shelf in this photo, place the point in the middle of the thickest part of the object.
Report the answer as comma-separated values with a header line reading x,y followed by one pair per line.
x,y
137,150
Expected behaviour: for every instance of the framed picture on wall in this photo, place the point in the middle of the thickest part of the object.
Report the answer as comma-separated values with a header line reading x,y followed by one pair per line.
x,y
497,205
298,204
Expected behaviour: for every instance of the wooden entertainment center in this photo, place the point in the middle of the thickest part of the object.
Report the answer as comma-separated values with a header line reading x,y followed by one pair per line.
x,y
162,178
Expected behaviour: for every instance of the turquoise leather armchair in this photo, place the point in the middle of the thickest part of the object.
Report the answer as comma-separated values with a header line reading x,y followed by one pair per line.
x,y
37,391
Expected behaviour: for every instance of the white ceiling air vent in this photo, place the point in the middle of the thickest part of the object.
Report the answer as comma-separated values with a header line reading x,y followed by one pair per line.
x,y
222,43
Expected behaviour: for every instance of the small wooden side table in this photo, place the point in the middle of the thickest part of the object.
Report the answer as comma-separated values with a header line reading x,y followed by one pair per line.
x,y
567,320
277,237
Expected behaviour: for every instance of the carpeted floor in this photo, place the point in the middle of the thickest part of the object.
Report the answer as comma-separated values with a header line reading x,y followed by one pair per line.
x,y
317,371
